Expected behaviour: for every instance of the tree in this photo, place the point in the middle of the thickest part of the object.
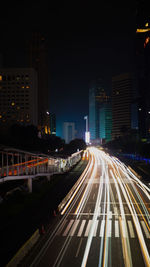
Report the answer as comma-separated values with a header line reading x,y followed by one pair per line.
x,y
77,144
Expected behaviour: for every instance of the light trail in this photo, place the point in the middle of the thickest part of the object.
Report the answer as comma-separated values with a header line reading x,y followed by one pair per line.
x,y
136,221
87,190
106,240
117,189
102,239
79,184
94,219
123,224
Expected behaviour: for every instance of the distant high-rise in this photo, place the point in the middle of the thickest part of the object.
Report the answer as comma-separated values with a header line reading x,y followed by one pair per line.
x,y
124,109
39,61
53,123
18,97
97,97
105,122
69,131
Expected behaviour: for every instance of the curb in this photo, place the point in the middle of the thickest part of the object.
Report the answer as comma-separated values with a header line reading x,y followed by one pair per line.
x,y
23,250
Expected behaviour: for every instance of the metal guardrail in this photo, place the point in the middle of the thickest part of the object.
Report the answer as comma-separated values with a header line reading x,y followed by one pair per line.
x,y
17,163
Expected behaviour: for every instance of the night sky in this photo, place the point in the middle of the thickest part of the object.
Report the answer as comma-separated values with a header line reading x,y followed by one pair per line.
x,y
85,41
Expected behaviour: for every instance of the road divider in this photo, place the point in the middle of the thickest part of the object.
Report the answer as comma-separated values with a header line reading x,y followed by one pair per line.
x,y
24,250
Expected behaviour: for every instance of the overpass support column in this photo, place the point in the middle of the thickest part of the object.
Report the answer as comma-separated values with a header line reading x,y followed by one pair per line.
x,y
29,183
48,177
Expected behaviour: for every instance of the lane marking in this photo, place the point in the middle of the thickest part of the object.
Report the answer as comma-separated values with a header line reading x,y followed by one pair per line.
x,y
89,213
74,227
145,229
109,228
102,228
131,231
110,215
61,227
68,228
115,212
81,228
77,253
88,228
116,229
96,225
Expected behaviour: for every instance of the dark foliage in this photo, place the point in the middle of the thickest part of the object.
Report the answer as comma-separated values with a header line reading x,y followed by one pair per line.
x,y
26,138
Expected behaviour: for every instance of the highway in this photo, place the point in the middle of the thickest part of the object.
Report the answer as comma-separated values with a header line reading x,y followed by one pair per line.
x,y
105,221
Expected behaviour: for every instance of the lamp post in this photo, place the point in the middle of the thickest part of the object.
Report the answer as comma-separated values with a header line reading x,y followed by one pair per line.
x,y
87,133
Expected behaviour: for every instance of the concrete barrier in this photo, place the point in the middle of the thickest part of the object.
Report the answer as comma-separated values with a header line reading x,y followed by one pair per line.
x,y
24,250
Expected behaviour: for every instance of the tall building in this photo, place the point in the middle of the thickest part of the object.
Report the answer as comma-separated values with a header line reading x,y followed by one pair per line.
x,y
39,61
105,122
18,97
97,97
143,66
69,131
124,108
53,123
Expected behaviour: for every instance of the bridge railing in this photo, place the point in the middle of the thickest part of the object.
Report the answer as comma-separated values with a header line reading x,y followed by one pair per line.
x,y
15,162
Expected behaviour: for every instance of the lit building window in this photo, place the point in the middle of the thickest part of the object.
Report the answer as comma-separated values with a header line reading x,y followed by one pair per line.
x,y
146,41
46,132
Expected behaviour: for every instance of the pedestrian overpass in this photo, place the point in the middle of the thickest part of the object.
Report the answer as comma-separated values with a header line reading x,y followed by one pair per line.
x,y
18,164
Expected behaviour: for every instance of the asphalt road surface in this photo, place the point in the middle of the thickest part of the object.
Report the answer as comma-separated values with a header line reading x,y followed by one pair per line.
x,y
105,222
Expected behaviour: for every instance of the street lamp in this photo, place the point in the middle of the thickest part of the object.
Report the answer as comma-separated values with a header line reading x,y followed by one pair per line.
x,y
87,133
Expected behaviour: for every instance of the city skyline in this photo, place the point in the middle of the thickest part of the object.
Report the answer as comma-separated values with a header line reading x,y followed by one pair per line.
x,y
75,133
83,44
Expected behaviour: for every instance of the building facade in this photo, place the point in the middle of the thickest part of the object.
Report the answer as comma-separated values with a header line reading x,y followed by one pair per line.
x,y
69,132
97,97
105,123
18,97
52,123
124,106
38,59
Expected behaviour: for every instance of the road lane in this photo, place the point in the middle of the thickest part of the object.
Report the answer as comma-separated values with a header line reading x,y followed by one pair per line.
x,y
106,222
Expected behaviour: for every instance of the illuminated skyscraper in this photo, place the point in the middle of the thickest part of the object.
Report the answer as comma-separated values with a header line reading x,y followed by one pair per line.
x,y
39,61
97,97
105,122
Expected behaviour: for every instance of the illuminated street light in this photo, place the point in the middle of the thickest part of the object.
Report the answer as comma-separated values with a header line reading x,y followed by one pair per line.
x,y
87,133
